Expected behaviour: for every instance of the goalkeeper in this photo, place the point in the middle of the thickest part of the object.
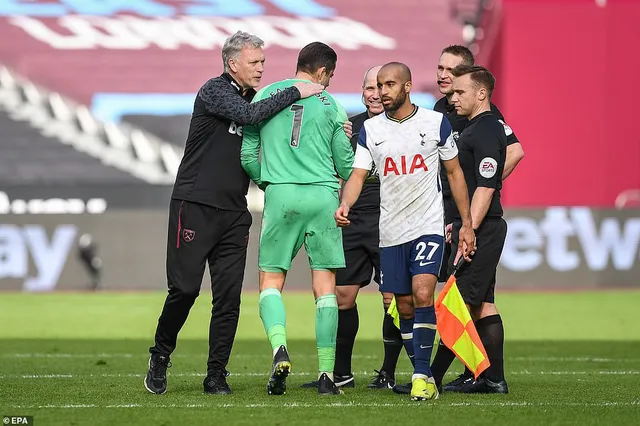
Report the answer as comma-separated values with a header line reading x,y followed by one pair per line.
x,y
302,147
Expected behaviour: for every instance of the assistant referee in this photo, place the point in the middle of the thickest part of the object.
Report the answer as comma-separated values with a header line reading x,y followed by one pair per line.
x,y
451,57
482,150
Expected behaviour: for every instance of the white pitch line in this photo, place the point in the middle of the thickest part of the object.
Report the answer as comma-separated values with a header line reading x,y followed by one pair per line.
x,y
573,373
41,376
304,373
342,404
573,359
303,356
65,355
125,375
146,355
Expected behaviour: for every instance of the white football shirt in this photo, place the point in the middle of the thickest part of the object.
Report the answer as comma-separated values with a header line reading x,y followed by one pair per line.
x,y
407,155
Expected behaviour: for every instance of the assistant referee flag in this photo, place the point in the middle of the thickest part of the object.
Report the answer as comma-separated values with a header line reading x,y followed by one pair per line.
x,y
456,328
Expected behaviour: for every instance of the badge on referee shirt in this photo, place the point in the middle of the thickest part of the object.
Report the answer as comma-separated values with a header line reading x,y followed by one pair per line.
x,y
488,167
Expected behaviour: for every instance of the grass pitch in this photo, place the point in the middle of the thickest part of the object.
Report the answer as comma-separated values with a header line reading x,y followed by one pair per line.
x,y
80,359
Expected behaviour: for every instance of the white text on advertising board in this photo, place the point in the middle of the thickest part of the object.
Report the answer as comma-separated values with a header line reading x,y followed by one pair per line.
x,y
597,245
20,244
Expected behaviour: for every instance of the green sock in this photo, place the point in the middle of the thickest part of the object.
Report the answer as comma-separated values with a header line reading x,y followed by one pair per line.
x,y
273,317
326,330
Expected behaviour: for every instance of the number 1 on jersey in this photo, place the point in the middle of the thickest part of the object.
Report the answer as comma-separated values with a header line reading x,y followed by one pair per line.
x,y
298,111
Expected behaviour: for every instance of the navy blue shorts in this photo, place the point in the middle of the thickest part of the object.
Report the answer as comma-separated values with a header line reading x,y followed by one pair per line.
x,y
399,264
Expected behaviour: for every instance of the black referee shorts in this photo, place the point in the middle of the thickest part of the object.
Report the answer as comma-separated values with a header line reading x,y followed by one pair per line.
x,y
477,280
361,241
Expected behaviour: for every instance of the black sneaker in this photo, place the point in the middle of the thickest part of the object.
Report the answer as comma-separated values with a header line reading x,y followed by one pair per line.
x,y
281,368
216,383
340,381
156,380
456,385
382,380
484,385
402,389
326,386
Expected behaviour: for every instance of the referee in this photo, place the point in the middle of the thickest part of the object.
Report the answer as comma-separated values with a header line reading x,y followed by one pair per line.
x,y
482,153
451,57
208,216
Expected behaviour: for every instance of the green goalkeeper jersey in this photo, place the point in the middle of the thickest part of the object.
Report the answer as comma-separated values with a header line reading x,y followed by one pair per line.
x,y
303,144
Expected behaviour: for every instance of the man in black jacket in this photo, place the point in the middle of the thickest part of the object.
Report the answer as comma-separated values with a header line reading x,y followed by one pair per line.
x,y
208,216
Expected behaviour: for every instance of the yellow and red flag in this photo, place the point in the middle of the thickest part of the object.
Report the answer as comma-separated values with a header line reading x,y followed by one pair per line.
x,y
457,330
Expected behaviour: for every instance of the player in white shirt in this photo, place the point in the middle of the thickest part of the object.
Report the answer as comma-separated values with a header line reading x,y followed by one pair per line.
x,y
406,144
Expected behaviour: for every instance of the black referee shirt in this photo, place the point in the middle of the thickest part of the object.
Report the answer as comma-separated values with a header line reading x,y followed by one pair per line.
x,y
482,151
210,171
458,124
370,196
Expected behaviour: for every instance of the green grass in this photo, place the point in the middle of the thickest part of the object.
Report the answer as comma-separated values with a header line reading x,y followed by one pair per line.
x,y
76,359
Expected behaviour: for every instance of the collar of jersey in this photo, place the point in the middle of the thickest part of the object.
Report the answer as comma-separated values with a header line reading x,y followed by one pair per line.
x,y
302,80
479,116
235,84
395,120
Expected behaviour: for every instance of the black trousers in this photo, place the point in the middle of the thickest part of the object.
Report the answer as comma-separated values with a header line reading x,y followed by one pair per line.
x,y
197,234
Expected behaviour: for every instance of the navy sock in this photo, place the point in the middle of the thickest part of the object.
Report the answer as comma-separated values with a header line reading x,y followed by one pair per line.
x,y
406,330
424,334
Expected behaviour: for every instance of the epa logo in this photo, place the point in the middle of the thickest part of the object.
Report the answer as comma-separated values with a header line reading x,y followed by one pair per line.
x,y
17,420
234,129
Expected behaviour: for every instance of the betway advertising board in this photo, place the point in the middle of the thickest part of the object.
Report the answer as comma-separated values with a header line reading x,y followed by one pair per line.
x,y
553,248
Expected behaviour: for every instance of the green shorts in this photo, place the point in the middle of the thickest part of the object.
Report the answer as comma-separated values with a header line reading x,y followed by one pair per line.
x,y
297,214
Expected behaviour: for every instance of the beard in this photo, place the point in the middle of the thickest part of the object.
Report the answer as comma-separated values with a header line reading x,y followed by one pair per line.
x,y
397,102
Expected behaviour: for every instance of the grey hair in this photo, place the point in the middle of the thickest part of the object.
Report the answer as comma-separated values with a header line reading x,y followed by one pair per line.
x,y
234,45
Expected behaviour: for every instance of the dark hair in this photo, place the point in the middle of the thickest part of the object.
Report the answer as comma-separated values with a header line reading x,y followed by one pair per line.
x,y
461,51
316,55
480,76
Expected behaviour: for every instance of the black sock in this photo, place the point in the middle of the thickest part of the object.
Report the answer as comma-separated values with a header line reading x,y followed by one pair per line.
x,y
441,363
348,323
491,332
392,340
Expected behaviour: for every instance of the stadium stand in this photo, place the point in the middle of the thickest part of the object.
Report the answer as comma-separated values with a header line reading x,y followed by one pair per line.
x,y
28,157
481,31
173,128
47,139
172,56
